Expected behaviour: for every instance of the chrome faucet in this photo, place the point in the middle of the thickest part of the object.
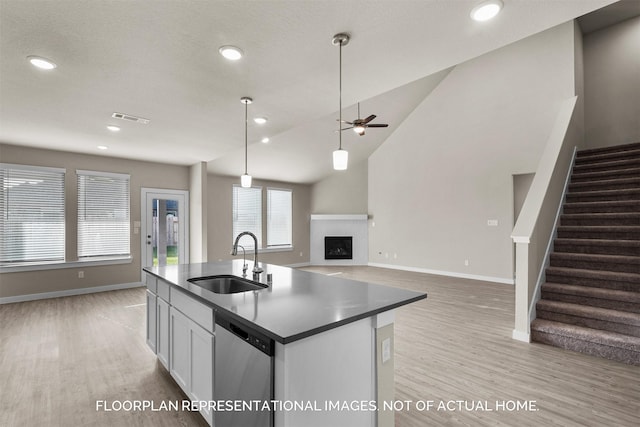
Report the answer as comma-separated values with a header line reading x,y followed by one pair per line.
x,y
244,261
256,268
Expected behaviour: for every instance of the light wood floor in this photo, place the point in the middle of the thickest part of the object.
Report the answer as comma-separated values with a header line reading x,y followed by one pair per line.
x,y
59,356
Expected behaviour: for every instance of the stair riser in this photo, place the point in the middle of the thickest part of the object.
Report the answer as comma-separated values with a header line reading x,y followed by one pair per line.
x,y
593,282
599,221
605,175
592,302
586,233
607,157
611,207
602,325
593,349
603,196
596,249
609,165
623,148
557,261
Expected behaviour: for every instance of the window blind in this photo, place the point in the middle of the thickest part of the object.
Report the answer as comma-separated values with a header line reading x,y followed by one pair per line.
x,y
279,217
103,214
247,214
32,209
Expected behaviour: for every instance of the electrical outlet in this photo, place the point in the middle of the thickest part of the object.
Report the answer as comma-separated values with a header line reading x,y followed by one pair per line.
x,y
466,263
300,253
492,222
80,274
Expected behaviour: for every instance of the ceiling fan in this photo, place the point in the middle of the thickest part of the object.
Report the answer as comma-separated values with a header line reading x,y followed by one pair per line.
x,y
359,125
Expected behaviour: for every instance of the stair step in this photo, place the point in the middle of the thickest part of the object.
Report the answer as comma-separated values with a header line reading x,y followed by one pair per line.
x,y
594,278
608,156
606,165
609,149
596,297
601,219
609,345
603,195
602,207
613,263
605,184
605,319
605,174
599,232
598,246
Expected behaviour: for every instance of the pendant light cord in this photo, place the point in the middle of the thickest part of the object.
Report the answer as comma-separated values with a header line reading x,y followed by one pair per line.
x,y
245,137
340,99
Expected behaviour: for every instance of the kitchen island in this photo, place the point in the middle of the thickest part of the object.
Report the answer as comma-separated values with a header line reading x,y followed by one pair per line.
x,y
326,344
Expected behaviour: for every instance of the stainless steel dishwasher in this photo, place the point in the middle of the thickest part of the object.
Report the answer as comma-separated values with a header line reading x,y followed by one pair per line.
x,y
243,373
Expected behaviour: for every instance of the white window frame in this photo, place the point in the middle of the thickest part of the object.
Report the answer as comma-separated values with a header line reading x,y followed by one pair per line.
x,y
273,223
50,235
122,228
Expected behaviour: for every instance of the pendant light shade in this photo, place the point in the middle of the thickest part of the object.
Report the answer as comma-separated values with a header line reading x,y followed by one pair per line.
x,y
245,180
340,156
340,159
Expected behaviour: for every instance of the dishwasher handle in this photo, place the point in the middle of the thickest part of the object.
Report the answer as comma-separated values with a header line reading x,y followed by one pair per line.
x,y
248,335
239,332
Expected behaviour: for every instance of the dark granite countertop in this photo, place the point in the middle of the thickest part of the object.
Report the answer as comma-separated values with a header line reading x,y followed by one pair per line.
x,y
297,305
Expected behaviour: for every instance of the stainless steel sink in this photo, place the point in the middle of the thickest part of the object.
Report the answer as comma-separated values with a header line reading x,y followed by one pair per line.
x,y
226,284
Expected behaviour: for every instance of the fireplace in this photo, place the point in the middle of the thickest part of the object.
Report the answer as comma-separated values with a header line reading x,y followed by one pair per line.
x,y
338,247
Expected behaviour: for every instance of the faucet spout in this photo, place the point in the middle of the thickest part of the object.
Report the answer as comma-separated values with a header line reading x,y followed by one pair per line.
x,y
256,268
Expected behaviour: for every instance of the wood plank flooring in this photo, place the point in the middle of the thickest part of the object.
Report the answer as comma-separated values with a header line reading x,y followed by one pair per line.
x,y
58,357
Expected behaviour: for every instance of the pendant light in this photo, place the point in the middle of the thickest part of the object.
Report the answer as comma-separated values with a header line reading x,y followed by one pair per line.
x,y
245,180
340,156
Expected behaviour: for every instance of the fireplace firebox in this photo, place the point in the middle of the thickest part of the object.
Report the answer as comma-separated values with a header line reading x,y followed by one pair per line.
x,y
338,247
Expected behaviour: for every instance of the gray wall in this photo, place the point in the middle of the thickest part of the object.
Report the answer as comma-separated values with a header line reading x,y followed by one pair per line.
x,y
220,223
448,168
612,85
143,174
342,192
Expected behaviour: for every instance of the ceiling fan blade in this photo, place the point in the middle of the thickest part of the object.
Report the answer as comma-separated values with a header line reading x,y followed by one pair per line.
x,y
368,119
377,125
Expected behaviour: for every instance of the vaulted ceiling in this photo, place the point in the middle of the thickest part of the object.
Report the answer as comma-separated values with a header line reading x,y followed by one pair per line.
x,y
158,59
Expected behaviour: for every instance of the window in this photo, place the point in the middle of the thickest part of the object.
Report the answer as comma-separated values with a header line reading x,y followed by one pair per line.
x,y
103,214
247,214
32,209
278,217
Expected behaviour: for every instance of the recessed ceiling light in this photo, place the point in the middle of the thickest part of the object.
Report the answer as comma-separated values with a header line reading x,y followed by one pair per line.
x,y
486,10
260,120
102,147
113,128
265,140
42,63
231,52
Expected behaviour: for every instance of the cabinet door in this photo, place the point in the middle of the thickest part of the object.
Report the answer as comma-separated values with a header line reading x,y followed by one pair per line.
x,y
202,353
151,321
162,324
179,349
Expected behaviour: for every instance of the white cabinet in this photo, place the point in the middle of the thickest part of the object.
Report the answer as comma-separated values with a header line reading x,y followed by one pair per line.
x,y
162,333
151,320
191,359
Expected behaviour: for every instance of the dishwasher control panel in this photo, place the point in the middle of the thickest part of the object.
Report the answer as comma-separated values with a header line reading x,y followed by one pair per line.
x,y
248,335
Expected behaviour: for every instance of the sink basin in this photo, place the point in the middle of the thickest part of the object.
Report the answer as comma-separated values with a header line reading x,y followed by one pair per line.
x,y
226,284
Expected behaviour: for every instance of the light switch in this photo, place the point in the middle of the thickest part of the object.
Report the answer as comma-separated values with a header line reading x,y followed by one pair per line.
x,y
492,222
386,350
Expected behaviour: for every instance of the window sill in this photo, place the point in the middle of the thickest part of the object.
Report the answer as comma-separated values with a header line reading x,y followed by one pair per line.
x,y
62,264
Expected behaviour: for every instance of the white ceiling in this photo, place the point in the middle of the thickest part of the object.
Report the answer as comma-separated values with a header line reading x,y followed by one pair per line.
x,y
158,59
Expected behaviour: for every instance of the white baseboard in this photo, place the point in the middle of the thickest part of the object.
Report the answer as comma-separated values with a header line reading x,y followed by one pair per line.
x,y
521,336
68,292
445,273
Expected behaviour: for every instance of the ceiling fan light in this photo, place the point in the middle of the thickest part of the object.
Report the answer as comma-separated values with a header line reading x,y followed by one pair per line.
x,y
486,10
245,181
340,159
359,129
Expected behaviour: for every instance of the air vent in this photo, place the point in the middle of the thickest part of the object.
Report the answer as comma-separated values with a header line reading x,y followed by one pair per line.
x,y
130,118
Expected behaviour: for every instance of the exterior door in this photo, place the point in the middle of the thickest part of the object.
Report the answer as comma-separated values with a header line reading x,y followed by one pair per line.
x,y
165,227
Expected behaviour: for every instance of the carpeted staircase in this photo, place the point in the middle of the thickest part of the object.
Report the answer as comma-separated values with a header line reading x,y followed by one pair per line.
x,y
591,299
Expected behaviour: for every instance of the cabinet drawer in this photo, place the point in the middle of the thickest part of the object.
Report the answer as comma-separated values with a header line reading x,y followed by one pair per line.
x,y
200,313
163,289
152,283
